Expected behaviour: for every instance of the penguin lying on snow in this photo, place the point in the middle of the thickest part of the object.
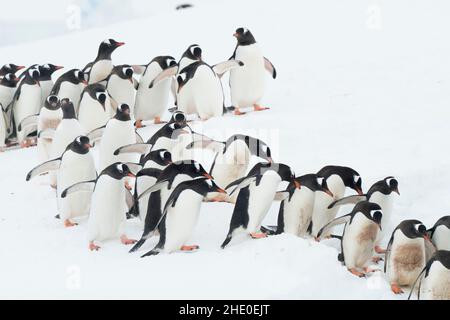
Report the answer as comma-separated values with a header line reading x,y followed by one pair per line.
x,y
180,215
360,233
102,65
434,280
381,193
440,233
75,165
231,159
256,192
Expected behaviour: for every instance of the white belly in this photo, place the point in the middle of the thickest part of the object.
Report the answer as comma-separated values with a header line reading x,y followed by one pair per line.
x,y
48,119
298,211
108,208
72,92
122,91
385,202
28,104
181,220
100,70
437,285
441,238
247,83
91,113
74,168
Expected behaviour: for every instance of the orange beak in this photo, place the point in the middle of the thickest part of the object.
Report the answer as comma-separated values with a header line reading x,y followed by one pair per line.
x,y
58,67
297,184
207,175
359,191
20,68
85,82
119,44
328,192
235,34
131,175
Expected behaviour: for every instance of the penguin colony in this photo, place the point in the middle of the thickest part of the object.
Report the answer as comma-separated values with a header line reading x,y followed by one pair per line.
x,y
155,181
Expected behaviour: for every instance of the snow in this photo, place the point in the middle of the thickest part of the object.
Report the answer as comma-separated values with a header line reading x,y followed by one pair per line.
x,y
360,83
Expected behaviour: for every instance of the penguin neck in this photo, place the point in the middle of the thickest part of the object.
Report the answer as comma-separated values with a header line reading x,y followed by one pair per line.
x,y
122,117
69,113
8,84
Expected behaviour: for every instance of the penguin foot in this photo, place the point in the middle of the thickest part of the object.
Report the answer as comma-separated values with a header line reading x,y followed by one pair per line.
x,y
370,270
158,120
377,259
53,186
126,241
137,245
379,250
396,289
238,112
189,248
357,273
27,143
93,246
68,223
257,107
138,124
258,235
153,252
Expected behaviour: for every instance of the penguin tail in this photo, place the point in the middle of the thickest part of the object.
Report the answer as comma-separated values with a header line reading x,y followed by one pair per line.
x,y
269,230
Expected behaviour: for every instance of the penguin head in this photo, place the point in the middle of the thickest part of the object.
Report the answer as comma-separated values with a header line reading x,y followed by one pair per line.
x,y
314,183
165,62
9,80
47,70
161,157
81,145
10,68
256,147
371,210
178,120
107,47
34,75
193,52
124,71
118,171
193,169
123,112
205,186
100,96
413,229
392,184
244,36
67,109
182,79
79,77
350,178
284,171
52,102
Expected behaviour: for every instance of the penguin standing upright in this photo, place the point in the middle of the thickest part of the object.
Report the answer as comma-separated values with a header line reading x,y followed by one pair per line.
x,y
157,159
75,165
180,215
26,102
45,80
8,86
358,239
70,85
434,280
405,254
95,107
338,178
231,159
295,213
120,86
10,68
440,233
101,67
256,192
67,130
107,215
152,100
247,84
381,193
48,120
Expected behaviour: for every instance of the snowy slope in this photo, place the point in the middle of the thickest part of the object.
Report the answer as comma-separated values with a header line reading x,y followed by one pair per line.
x,y
352,89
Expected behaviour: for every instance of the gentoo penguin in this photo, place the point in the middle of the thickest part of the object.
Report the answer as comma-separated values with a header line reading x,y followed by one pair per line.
x,y
8,86
67,130
75,165
381,193
107,215
102,65
95,107
440,233
45,80
361,229
152,100
10,68
120,86
119,131
48,119
296,210
231,159
405,254
200,89
70,85
157,159
256,192
247,84
27,102
337,179
169,178
434,280
180,215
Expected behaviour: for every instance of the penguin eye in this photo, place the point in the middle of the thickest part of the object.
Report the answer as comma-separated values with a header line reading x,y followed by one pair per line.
x,y
52,99
167,155
193,48
8,66
127,71
179,117
76,73
420,228
101,96
182,76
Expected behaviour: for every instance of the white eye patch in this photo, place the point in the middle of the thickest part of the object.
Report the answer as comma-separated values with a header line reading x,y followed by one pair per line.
x,y
107,42
193,48
197,166
355,178
182,76
320,180
8,77
78,140
8,66
388,180
46,66
120,167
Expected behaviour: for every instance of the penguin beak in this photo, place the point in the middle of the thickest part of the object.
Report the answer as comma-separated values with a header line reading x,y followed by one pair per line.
x,y
58,67
220,190
235,35
269,159
328,192
396,191
207,175
119,44
84,82
87,145
297,184
359,191
20,68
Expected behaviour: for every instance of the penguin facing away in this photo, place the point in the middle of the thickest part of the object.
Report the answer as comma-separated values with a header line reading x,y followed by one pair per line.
x,y
440,233
70,85
120,86
102,65
180,215
434,280
48,119
247,84
361,229
75,165
45,79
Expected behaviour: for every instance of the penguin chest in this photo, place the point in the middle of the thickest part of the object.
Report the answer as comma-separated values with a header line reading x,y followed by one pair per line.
x,y
100,70
108,208
67,130
6,95
297,212
436,286
358,241
247,83
122,91
441,238
321,214
181,220
407,259
142,184
260,199
117,134
28,104
92,114
385,201
49,119
71,91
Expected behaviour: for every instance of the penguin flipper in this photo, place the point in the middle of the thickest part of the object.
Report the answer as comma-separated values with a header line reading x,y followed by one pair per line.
x,y
129,199
138,138
354,199
138,68
157,186
281,195
241,183
141,148
47,133
418,281
340,220
165,74
206,143
43,168
270,68
30,121
96,134
388,251
84,186
221,68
